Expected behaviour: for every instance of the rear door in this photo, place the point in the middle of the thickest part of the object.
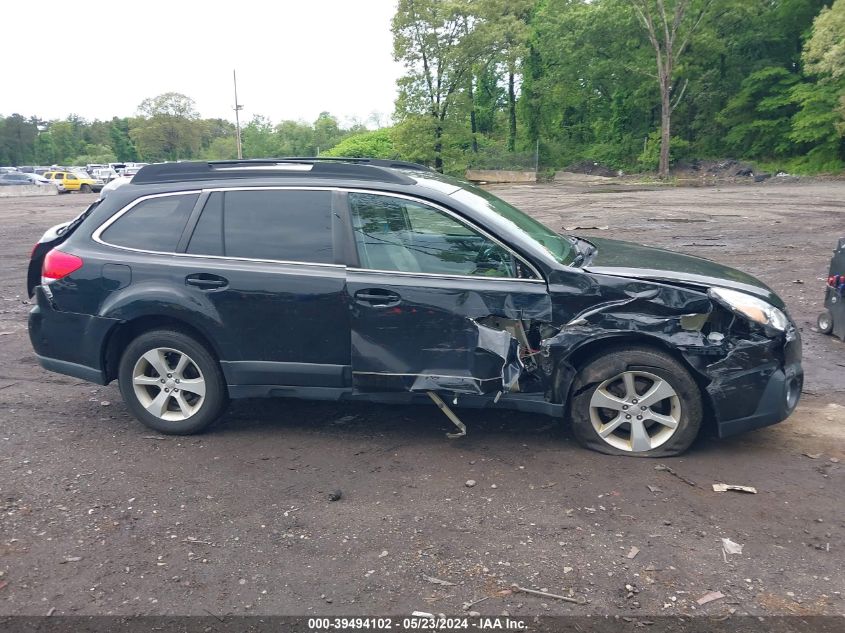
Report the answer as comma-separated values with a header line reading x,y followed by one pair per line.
x,y
264,262
422,296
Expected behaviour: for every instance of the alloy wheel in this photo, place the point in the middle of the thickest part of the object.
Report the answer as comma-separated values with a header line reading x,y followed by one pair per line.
x,y
168,384
635,411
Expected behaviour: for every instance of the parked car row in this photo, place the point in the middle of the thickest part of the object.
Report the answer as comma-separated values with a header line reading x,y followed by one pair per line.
x,y
64,179
18,178
70,178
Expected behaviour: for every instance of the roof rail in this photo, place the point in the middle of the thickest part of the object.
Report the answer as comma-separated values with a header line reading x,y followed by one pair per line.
x,y
375,162
352,168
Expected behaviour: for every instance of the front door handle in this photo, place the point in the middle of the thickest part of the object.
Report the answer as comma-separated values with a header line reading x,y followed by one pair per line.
x,y
205,281
377,298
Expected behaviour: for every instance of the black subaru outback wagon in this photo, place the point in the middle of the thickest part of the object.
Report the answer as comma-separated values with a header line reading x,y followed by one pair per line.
x,y
387,282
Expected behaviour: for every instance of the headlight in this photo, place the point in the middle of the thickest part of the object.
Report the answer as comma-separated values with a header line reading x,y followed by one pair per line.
x,y
751,308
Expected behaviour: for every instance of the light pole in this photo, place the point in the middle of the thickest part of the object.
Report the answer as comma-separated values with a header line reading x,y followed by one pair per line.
x,y
238,107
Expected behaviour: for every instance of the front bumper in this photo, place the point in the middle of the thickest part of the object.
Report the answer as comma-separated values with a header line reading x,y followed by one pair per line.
x,y
69,343
758,384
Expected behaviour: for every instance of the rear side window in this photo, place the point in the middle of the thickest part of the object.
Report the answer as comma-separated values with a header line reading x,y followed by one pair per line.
x,y
283,225
154,224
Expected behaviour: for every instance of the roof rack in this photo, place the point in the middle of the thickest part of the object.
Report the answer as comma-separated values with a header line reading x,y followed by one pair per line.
x,y
375,162
352,168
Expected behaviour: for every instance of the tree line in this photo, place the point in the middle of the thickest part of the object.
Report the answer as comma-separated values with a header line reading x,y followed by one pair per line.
x,y
167,127
635,85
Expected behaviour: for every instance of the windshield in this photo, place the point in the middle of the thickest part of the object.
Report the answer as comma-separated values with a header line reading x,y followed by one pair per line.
x,y
560,248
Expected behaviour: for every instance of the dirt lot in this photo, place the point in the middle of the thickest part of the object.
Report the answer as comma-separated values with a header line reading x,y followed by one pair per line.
x,y
101,516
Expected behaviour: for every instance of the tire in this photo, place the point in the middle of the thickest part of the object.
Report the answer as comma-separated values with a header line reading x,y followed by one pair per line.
x,y
175,406
670,423
85,189
825,322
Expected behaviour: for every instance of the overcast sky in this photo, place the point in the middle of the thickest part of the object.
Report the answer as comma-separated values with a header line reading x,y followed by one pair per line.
x,y
294,59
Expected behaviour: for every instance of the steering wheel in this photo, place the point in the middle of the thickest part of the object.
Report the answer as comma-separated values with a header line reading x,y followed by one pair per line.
x,y
492,257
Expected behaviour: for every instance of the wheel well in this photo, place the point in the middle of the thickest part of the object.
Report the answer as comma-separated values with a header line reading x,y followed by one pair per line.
x,y
125,333
582,355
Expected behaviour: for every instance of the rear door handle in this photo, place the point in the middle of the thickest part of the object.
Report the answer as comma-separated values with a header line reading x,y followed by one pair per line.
x,y
377,298
204,281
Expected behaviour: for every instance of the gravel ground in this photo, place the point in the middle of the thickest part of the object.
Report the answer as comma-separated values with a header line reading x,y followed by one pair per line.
x,y
101,516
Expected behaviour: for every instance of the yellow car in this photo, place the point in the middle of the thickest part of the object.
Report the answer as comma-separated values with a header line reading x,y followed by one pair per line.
x,y
73,181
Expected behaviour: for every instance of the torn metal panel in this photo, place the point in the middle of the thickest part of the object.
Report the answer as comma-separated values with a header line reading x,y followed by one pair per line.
x,y
477,380
430,339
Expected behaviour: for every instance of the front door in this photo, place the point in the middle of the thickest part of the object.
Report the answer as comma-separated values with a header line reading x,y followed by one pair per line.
x,y
422,297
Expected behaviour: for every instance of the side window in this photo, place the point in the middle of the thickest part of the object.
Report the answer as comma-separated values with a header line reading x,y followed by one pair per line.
x,y
406,236
154,224
285,225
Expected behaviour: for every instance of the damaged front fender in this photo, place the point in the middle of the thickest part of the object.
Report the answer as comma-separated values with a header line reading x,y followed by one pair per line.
x,y
749,377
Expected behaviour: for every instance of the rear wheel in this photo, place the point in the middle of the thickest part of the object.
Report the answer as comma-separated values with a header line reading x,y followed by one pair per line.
x,y
825,322
171,382
635,401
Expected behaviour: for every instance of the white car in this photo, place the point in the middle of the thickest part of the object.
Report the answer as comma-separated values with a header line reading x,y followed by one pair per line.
x,y
114,184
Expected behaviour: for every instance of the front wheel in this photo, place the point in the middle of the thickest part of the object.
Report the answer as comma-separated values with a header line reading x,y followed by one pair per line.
x,y
635,401
171,382
85,189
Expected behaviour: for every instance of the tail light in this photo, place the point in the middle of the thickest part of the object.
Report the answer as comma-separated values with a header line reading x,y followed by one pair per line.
x,y
58,265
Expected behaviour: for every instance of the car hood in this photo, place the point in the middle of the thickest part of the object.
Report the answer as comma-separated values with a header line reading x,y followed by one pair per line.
x,y
624,259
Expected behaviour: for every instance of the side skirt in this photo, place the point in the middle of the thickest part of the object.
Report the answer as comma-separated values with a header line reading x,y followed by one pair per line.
x,y
525,402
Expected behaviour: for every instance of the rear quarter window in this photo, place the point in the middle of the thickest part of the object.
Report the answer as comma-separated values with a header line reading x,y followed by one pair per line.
x,y
154,224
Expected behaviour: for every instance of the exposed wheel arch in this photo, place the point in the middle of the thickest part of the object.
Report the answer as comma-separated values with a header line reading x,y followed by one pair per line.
x,y
567,365
123,333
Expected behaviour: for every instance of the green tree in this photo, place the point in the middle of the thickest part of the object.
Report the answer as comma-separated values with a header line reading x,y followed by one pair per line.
x,y
824,53
759,117
121,144
168,128
436,41
67,140
259,139
327,132
94,154
17,140
819,124
221,148
669,32
295,138
504,26
372,144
